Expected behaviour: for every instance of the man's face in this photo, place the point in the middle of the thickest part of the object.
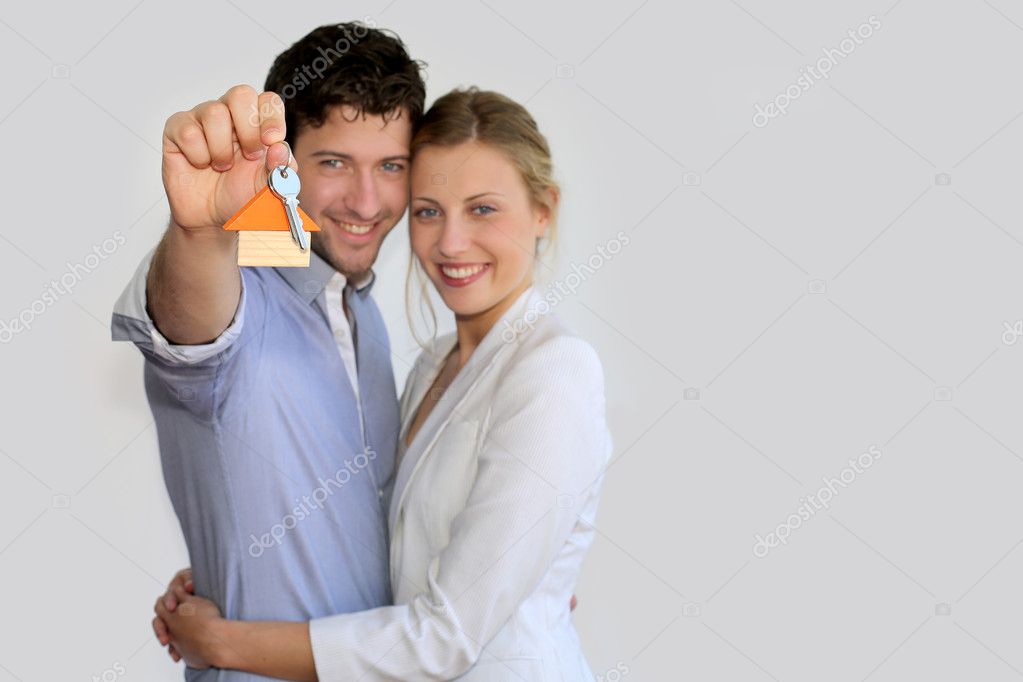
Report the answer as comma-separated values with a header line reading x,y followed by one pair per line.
x,y
354,171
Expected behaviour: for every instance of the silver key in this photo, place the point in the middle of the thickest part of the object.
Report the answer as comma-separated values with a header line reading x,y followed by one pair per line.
x,y
285,184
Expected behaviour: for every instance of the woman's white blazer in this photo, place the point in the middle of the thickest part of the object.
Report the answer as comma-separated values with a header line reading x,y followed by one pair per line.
x,y
490,517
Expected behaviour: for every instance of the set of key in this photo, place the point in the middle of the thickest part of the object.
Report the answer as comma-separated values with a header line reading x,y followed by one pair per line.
x,y
285,185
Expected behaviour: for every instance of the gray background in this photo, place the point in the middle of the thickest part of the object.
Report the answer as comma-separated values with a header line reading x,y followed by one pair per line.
x,y
846,276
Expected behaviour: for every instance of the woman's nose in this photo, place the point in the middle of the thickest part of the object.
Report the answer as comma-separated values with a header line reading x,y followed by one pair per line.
x,y
454,238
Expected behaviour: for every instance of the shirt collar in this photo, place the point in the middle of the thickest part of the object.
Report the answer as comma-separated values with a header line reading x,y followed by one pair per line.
x,y
310,282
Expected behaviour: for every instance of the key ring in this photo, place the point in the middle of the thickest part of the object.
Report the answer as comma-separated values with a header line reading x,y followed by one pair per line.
x,y
284,170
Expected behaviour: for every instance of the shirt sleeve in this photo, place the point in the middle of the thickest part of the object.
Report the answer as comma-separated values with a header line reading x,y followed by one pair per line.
x,y
545,441
131,322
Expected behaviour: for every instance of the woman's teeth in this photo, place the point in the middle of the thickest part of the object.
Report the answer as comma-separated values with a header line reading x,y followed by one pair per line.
x,y
356,229
462,272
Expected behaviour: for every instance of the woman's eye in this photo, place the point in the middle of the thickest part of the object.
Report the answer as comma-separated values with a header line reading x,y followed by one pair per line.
x,y
483,210
426,213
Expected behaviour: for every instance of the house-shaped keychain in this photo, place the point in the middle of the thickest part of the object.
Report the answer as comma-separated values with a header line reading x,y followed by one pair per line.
x,y
266,236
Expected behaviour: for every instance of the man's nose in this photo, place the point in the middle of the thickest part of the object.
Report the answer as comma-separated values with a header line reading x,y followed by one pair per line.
x,y
364,197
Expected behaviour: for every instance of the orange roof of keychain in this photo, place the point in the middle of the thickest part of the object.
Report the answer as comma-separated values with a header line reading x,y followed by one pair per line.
x,y
271,227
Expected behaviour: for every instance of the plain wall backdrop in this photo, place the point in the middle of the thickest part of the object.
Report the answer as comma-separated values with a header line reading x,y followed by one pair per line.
x,y
820,267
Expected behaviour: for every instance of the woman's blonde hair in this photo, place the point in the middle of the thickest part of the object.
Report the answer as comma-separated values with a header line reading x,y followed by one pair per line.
x,y
492,119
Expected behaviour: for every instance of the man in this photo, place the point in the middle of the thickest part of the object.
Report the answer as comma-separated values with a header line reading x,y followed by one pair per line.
x,y
272,388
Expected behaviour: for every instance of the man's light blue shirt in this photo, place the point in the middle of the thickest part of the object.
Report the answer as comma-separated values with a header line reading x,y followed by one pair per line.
x,y
281,498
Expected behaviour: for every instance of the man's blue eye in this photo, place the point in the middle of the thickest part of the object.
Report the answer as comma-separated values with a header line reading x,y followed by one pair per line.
x,y
392,167
333,163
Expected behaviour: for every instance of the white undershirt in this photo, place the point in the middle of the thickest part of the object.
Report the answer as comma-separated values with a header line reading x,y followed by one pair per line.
x,y
341,327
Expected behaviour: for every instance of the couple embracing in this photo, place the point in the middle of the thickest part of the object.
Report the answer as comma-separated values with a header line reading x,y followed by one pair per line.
x,y
334,531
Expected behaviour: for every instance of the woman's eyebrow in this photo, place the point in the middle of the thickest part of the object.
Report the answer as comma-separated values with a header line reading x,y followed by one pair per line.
x,y
483,194
466,200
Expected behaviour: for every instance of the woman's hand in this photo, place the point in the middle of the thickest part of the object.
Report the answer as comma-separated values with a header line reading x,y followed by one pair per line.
x,y
194,628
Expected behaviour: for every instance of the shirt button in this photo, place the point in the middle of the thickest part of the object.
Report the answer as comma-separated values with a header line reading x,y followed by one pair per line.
x,y
380,493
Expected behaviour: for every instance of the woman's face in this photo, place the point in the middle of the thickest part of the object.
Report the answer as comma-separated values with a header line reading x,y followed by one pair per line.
x,y
473,225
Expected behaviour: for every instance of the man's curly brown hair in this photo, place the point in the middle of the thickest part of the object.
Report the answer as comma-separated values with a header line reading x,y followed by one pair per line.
x,y
352,64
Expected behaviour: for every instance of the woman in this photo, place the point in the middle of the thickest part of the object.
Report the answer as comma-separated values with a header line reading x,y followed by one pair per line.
x,y
502,449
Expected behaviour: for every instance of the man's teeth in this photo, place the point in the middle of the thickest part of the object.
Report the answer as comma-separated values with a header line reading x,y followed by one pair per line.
x,y
356,229
462,272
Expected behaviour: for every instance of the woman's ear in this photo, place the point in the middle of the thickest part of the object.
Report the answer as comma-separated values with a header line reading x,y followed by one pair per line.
x,y
545,210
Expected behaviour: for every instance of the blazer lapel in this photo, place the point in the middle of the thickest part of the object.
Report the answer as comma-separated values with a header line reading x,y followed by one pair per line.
x,y
423,380
483,360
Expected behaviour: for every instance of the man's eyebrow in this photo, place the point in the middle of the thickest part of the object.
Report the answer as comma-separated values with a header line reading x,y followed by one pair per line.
x,y
328,152
349,157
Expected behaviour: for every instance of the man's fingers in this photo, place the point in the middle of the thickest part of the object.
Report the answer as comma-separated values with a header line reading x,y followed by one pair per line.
x,y
175,656
280,155
170,601
184,576
242,102
572,603
179,588
179,591
218,129
272,131
183,132
160,630
271,118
